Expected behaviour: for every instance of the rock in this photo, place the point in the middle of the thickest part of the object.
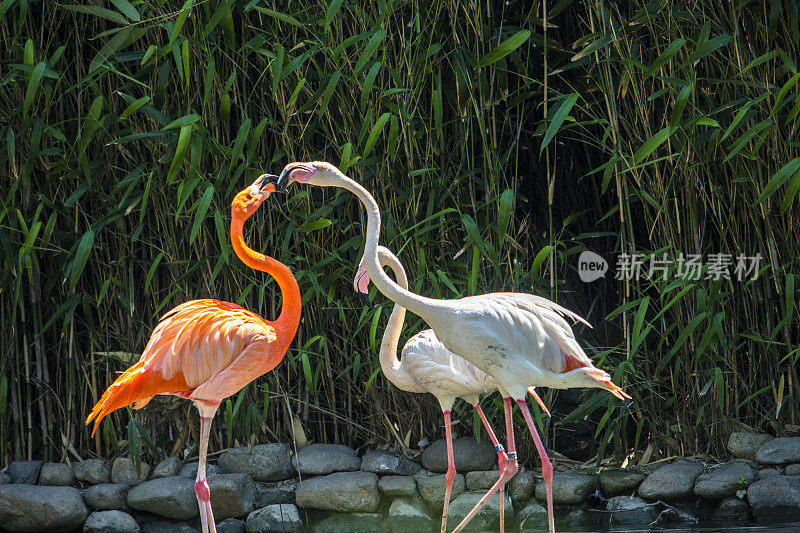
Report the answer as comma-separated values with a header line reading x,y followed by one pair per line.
x,y
775,452
38,508
792,470
56,475
232,495
350,523
381,462
630,510
768,472
24,472
398,486
481,479
341,492
408,515
672,482
744,445
489,515
123,472
92,471
171,466
431,489
110,522
732,509
163,526
172,497
323,459
4,479
468,453
107,497
230,525
616,481
270,492
773,498
280,517
521,486
569,488
263,462
190,470
532,516
725,480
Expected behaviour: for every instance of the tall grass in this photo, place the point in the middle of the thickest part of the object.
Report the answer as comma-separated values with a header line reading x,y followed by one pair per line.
x,y
501,140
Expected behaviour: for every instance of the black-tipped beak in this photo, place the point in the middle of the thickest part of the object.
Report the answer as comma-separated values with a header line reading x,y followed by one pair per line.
x,y
266,179
282,184
365,300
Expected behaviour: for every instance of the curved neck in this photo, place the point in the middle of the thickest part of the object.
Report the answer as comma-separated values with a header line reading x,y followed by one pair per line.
x,y
289,318
392,367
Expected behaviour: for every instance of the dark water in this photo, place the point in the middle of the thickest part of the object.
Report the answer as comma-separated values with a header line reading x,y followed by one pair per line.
x,y
785,527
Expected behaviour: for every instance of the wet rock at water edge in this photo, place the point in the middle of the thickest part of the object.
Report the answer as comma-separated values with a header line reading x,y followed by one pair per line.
x,y
775,497
779,451
617,481
171,497
110,522
468,453
532,516
431,489
341,492
569,488
489,515
232,495
381,462
123,471
270,492
230,525
92,471
24,472
40,508
630,510
263,462
744,445
672,482
521,486
281,517
163,526
107,497
733,509
323,459
408,515
350,523
725,480
792,470
768,472
56,475
190,470
171,466
398,486
481,479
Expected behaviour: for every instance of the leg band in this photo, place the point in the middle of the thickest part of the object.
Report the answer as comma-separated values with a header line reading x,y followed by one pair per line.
x,y
512,456
499,448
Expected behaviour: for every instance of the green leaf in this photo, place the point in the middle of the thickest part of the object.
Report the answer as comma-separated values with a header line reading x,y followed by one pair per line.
x,y
200,213
706,48
330,13
779,178
315,225
674,47
680,105
504,213
101,12
80,259
375,133
558,119
33,85
134,107
109,49
505,48
127,9
280,16
180,152
372,45
472,230
651,144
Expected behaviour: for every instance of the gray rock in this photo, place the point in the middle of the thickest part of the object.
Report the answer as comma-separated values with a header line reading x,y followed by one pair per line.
x,y
124,472
110,522
280,517
732,509
489,515
56,475
341,492
744,445
724,480
92,471
171,466
521,486
431,489
163,526
4,479
532,516
792,470
468,454
778,451
171,497
230,525
629,510
408,515
190,470
232,495
38,508
107,497
381,462
768,472
270,492
616,481
263,462
671,482
481,479
350,523
398,486
773,498
569,488
323,459
24,472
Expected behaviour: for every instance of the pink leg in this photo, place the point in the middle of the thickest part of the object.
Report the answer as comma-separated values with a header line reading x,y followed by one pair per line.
x,y
508,472
502,460
547,466
201,485
451,469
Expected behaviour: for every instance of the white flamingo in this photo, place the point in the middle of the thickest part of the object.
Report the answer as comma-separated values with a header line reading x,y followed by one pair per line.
x,y
520,339
427,366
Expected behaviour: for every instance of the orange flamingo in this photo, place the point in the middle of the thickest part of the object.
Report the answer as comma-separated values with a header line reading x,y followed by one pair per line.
x,y
206,350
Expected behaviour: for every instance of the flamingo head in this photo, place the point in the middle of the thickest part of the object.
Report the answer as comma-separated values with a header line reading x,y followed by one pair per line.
x,y
248,201
319,173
